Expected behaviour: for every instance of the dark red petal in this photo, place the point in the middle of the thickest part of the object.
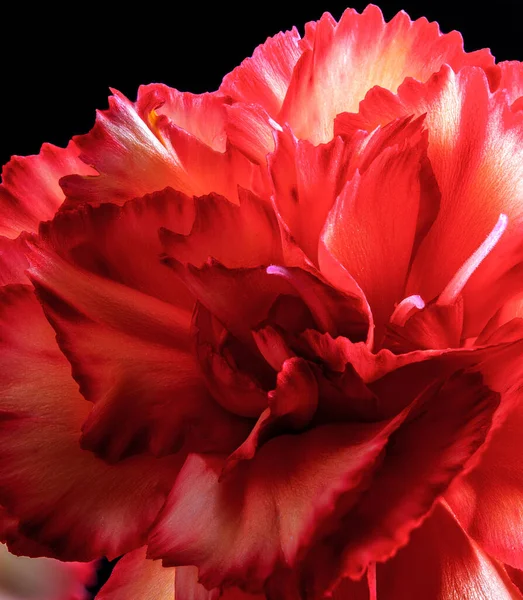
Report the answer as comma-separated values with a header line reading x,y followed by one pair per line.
x,y
137,578
269,508
30,193
131,355
447,428
323,83
63,496
237,236
442,562
234,374
292,405
18,543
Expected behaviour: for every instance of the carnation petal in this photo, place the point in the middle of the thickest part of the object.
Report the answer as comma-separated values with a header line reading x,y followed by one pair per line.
x,y
306,181
204,116
512,82
30,192
451,425
383,54
121,243
130,353
137,152
63,496
137,577
475,153
237,236
292,405
13,262
488,501
268,508
264,78
442,562
372,227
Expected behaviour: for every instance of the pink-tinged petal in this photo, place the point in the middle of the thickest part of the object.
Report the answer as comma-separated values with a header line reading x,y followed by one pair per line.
x,y
237,236
131,355
292,405
323,83
137,152
442,562
121,243
448,426
374,219
63,496
202,115
30,192
512,82
489,500
306,180
269,508
475,153
264,78
13,262
43,578
137,578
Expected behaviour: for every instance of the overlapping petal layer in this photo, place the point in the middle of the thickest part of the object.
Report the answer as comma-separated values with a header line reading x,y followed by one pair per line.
x,y
270,336
79,506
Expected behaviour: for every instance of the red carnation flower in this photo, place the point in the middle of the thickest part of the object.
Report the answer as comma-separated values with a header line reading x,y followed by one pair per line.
x,y
266,341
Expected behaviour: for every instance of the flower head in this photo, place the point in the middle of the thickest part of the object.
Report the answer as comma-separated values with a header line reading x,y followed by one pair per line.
x,y
271,335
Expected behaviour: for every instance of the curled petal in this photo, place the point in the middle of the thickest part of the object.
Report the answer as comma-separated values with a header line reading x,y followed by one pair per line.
x,y
269,508
449,426
83,509
292,405
131,355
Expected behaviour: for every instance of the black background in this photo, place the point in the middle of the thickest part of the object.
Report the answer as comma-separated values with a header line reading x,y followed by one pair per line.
x,y
58,63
